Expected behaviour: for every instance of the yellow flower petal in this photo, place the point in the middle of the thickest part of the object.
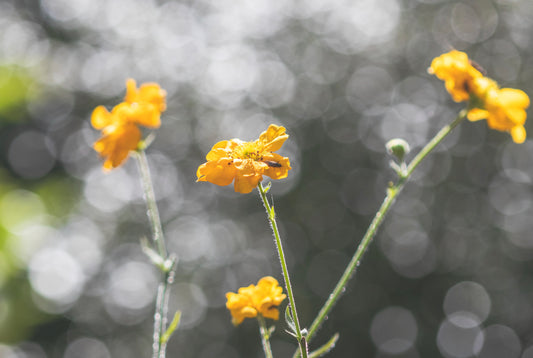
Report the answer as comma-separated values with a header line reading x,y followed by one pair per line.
x,y
268,297
513,98
101,118
240,306
482,88
455,69
148,93
116,145
505,110
518,134
147,115
138,113
220,172
273,138
476,114
277,166
248,174
218,151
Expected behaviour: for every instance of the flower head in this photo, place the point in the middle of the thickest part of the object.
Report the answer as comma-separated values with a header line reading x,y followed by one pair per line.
x,y
246,162
120,131
250,301
503,108
457,72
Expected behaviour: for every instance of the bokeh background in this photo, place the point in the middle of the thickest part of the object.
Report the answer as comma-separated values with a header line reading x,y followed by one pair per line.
x,y
450,273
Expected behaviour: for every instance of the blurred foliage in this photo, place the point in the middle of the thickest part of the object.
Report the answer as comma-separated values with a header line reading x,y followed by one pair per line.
x,y
17,88
20,209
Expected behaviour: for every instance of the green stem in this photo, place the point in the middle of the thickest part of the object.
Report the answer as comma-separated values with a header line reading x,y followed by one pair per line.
x,y
272,218
265,336
149,197
434,142
392,193
161,306
160,318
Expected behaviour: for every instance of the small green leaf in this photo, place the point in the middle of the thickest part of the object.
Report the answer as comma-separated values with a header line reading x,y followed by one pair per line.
x,y
272,213
171,328
290,322
271,330
152,255
267,187
325,348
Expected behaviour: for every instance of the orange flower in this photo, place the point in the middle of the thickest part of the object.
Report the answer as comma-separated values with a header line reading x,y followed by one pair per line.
x,y
246,162
120,131
505,110
250,301
457,72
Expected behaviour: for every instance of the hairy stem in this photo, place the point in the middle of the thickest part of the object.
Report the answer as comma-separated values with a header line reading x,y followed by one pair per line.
x,y
265,336
272,218
161,307
392,193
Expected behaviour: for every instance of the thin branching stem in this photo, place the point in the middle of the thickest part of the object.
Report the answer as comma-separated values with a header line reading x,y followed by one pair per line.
x,y
265,336
151,203
392,192
272,218
161,308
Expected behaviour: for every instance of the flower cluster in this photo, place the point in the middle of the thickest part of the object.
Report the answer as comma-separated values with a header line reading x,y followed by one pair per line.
x,y
250,301
246,162
120,127
503,108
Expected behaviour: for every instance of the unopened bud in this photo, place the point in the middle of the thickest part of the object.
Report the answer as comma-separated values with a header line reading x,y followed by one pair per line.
x,y
398,148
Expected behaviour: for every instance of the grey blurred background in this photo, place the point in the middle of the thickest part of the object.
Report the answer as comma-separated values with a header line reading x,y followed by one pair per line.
x,y
450,272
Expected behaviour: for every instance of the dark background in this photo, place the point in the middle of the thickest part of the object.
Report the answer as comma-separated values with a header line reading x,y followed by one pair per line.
x,y
450,272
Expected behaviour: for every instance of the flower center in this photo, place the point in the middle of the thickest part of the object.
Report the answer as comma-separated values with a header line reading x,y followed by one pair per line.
x,y
248,150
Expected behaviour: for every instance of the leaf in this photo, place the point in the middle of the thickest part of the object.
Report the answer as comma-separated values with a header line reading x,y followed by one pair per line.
x,y
290,322
271,330
152,255
171,328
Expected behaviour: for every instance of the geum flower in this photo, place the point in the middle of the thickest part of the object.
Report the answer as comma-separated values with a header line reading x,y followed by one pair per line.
x,y
457,72
246,162
504,109
120,127
250,301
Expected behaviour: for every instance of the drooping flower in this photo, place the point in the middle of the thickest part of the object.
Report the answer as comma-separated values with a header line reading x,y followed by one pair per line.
x,y
120,127
246,162
250,301
457,72
504,109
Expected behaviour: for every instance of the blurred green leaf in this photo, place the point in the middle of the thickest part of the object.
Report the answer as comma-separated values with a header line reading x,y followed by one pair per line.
x,y
16,87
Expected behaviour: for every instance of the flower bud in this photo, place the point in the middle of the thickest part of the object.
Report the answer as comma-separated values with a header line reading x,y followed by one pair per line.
x,y
398,147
